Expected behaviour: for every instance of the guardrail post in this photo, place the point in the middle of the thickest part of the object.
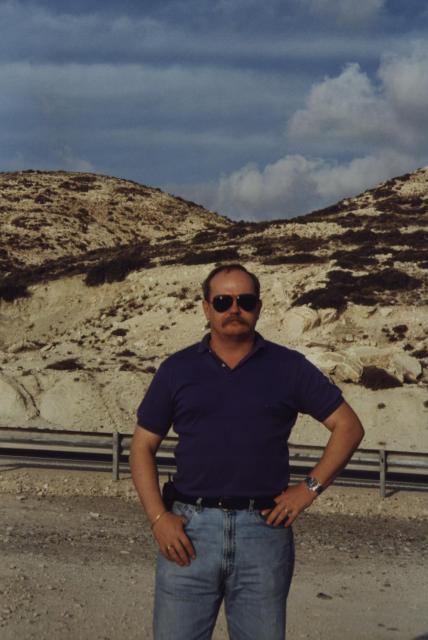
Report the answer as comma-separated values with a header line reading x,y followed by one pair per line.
x,y
115,455
382,472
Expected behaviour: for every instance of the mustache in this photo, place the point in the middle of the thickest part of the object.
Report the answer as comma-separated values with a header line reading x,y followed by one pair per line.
x,y
234,319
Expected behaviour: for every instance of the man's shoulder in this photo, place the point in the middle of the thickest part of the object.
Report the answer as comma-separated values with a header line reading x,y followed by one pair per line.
x,y
282,352
182,356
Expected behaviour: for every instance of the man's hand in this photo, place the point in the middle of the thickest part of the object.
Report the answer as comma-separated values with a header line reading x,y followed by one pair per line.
x,y
289,504
173,543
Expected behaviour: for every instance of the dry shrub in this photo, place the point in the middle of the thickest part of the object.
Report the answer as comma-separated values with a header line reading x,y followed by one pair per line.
x,y
389,279
116,269
375,378
239,230
400,329
86,178
420,353
325,298
321,214
354,220
411,255
10,292
403,205
119,332
344,286
126,353
363,256
42,199
69,364
149,370
206,257
128,366
294,258
205,235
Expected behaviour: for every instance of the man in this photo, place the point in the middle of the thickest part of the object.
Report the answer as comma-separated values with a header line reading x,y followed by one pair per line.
x,y
233,400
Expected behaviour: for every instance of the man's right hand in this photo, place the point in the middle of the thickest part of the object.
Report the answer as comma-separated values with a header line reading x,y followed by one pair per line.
x,y
173,543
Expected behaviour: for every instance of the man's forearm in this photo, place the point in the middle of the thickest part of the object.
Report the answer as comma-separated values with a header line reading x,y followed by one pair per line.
x,y
342,443
145,477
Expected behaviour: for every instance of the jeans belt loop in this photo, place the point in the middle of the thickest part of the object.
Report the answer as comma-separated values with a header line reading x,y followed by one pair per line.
x,y
251,507
199,505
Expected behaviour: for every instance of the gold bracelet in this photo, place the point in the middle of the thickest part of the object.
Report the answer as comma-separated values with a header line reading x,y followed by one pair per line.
x,y
158,517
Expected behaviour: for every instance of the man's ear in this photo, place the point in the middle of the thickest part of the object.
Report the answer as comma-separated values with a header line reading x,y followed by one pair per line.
x,y
205,307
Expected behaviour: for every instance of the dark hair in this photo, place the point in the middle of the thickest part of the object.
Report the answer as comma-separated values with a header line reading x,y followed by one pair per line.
x,y
227,268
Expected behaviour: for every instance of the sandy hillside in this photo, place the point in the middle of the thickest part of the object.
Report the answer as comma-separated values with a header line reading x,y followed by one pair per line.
x,y
100,280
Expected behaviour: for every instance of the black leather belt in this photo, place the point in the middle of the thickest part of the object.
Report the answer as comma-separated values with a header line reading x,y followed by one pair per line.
x,y
229,503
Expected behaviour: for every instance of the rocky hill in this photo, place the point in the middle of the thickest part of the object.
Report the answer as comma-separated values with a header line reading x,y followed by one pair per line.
x,y
57,223
100,280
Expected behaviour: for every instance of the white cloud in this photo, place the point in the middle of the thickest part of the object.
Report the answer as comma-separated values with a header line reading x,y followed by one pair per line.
x,y
281,186
337,181
346,107
354,110
295,185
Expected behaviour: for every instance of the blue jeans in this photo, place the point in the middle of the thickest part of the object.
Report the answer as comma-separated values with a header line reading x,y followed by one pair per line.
x,y
239,558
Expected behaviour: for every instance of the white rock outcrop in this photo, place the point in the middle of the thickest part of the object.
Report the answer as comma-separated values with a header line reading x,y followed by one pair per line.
x,y
75,404
407,368
398,363
340,366
298,320
16,404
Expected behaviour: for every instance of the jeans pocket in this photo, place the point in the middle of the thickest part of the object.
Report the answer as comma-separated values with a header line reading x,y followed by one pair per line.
x,y
256,513
183,509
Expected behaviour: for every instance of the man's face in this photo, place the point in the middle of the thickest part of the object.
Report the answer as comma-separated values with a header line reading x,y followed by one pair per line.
x,y
235,321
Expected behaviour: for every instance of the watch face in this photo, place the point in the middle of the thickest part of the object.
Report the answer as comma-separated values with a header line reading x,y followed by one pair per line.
x,y
313,484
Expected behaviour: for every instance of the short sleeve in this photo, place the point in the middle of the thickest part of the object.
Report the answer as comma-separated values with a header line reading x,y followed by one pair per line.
x,y
155,412
314,393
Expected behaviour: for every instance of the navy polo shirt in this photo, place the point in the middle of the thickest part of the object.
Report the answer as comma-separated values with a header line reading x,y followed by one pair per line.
x,y
233,424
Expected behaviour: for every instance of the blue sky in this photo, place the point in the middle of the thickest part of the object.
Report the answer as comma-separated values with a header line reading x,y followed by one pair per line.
x,y
255,109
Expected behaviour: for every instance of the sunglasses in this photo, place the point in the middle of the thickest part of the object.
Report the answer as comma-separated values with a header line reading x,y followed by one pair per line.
x,y
246,301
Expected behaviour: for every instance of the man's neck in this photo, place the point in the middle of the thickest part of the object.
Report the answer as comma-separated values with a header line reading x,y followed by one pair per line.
x,y
232,348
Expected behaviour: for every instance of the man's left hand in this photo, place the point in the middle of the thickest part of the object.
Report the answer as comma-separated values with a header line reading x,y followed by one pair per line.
x,y
289,504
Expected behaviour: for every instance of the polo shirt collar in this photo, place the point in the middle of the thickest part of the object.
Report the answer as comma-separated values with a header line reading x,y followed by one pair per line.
x,y
259,343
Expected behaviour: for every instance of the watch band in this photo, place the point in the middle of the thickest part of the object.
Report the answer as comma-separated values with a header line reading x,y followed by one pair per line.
x,y
314,485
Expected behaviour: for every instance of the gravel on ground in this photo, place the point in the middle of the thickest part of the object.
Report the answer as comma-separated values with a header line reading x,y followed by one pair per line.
x,y
78,562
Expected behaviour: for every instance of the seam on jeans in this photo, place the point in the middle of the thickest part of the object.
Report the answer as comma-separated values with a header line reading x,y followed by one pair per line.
x,y
228,555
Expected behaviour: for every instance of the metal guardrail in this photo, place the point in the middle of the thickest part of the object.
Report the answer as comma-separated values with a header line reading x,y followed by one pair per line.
x,y
86,450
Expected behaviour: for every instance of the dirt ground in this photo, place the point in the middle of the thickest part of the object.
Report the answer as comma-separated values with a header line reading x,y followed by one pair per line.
x,y
77,562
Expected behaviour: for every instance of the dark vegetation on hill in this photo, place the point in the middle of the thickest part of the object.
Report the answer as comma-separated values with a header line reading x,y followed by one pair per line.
x,y
378,255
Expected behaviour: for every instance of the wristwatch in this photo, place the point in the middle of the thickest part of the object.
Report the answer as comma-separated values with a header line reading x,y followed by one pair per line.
x,y
313,485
